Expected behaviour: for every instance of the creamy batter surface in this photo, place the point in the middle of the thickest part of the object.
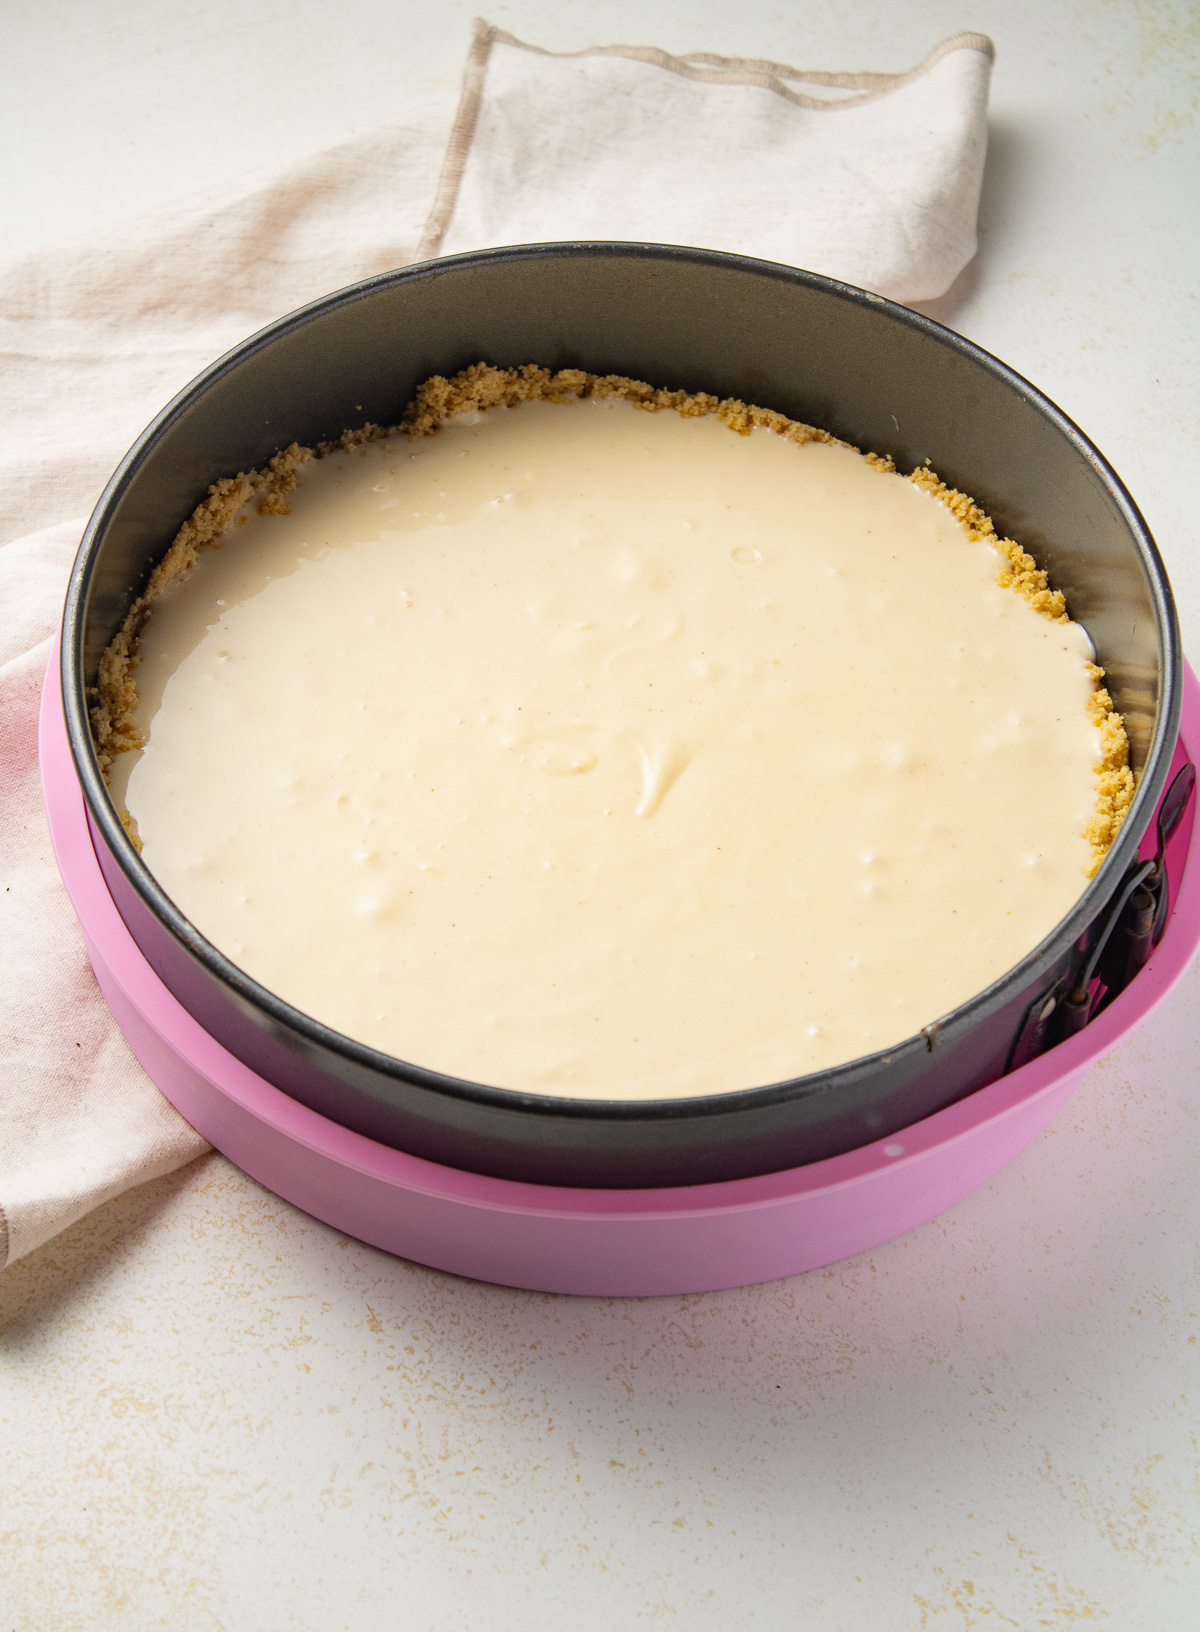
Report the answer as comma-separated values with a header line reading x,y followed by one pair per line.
x,y
603,753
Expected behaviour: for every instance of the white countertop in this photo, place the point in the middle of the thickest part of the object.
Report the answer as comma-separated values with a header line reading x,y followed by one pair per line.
x,y
217,1413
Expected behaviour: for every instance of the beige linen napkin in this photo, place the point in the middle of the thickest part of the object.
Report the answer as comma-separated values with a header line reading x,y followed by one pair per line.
x,y
872,178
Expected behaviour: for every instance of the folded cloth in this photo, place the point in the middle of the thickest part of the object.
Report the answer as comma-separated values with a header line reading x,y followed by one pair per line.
x,y
869,177
872,178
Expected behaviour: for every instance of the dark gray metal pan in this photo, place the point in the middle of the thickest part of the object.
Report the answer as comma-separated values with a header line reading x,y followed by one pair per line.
x,y
877,374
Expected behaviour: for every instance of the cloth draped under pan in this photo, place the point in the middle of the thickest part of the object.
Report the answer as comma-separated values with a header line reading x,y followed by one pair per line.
x,y
872,178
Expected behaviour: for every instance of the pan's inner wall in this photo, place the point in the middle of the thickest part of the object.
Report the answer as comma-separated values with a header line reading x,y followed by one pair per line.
x,y
837,360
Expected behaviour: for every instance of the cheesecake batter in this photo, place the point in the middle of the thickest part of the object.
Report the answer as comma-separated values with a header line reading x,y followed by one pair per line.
x,y
602,753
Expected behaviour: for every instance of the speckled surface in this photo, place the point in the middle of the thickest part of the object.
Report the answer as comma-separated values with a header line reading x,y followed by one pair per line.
x,y
212,1401
216,1413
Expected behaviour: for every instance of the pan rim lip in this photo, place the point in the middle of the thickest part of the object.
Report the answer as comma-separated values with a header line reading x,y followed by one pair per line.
x,y
732,1104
